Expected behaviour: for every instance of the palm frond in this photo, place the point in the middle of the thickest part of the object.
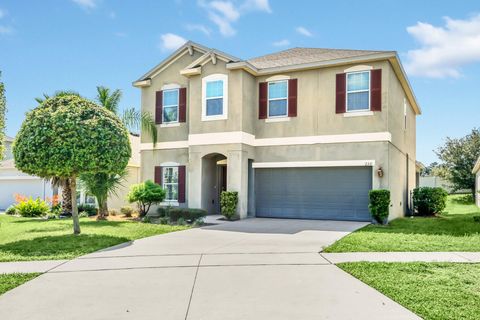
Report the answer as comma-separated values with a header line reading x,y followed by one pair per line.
x,y
108,100
135,120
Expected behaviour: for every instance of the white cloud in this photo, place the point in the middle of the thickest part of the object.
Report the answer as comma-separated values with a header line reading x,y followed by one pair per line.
x,y
198,27
224,26
226,9
281,43
112,15
304,31
170,41
5,30
2,13
86,4
224,13
260,5
444,50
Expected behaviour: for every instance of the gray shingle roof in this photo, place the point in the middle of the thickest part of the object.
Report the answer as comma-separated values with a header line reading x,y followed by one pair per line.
x,y
296,56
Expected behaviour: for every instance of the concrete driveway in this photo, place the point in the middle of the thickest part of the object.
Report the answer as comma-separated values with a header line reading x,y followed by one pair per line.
x,y
250,269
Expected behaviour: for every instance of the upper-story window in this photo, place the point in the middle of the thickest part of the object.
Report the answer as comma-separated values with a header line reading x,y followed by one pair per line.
x,y
170,106
170,183
215,97
358,91
278,99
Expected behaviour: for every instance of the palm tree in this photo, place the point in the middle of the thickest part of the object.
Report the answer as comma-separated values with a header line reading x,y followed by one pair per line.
x,y
132,118
101,185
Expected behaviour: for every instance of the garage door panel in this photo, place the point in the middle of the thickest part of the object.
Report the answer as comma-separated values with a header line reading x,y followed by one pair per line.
x,y
313,193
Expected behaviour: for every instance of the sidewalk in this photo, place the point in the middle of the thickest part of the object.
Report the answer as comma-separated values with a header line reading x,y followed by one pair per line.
x,y
331,258
29,266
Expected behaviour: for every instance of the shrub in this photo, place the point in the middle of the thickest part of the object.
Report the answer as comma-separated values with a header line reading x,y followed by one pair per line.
x,y
12,210
145,195
186,214
126,211
228,203
113,212
379,202
181,221
89,209
164,220
429,201
32,208
83,214
199,222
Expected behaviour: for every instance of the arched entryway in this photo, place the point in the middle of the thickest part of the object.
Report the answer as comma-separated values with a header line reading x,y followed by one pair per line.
x,y
214,181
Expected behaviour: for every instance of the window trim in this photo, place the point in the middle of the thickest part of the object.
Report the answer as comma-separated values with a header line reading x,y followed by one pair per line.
x,y
358,91
274,99
171,105
164,170
211,78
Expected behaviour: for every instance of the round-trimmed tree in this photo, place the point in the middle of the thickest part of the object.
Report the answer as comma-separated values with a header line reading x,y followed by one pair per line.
x,y
66,136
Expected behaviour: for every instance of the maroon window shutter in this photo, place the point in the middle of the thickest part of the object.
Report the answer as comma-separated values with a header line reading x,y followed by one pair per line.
x,y
182,105
292,97
181,183
158,106
340,100
376,90
158,175
262,100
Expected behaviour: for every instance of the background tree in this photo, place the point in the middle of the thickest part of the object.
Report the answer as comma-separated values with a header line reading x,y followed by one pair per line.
x,y
66,136
458,157
429,170
3,110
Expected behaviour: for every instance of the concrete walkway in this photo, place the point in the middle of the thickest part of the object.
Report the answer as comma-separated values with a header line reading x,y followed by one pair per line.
x,y
209,259
251,269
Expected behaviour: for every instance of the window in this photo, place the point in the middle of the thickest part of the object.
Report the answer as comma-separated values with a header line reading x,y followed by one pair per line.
x,y
215,97
358,91
170,183
277,99
170,106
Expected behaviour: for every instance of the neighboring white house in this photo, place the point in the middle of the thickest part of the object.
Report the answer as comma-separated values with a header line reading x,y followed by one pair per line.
x,y
13,181
476,171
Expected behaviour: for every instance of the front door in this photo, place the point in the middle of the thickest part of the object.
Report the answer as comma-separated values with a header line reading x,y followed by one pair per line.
x,y
222,184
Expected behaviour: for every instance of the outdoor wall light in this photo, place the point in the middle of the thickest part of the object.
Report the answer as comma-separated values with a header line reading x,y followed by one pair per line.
x,y
380,172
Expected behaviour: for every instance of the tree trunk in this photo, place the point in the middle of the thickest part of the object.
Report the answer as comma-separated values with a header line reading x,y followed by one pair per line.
x,y
102,210
67,197
73,190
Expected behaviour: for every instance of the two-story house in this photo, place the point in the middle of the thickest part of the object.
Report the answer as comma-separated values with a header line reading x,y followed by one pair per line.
x,y
302,133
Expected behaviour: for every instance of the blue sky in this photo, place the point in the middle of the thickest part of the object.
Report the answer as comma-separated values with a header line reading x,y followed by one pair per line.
x,y
77,44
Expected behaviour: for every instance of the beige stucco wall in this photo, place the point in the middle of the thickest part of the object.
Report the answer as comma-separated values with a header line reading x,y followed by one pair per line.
x,y
170,75
315,116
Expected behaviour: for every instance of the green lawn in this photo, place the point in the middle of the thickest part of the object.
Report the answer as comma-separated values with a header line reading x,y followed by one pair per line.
x,y
454,230
23,239
434,291
10,281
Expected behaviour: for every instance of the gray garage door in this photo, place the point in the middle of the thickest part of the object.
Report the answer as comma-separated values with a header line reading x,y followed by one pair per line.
x,y
313,193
